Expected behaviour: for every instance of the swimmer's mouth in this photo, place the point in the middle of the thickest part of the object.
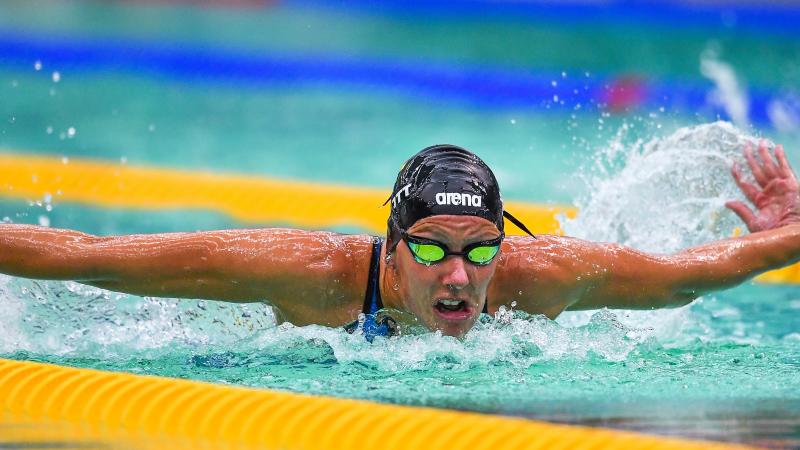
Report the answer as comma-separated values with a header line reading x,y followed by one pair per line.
x,y
453,309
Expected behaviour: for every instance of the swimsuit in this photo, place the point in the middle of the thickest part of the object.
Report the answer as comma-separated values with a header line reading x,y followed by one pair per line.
x,y
372,326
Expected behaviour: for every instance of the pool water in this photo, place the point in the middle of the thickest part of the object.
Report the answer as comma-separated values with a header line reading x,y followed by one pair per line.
x,y
725,367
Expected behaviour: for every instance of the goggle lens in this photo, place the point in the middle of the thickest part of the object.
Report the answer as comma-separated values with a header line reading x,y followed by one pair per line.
x,y
483,255
426,253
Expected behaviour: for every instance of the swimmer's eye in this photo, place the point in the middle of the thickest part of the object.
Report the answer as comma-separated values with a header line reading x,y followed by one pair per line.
x,y
427,251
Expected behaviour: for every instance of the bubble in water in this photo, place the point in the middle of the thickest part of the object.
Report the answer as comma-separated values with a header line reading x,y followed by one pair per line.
x,y
49,130
44,221
71,132
56,77
64,160
37,66
513,121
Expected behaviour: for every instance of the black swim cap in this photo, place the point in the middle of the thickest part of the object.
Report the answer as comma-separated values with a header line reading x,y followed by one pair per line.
x,y
445,179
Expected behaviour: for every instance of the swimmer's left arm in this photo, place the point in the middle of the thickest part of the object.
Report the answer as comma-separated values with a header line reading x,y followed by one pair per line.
x,y
620,277
565,273
678,279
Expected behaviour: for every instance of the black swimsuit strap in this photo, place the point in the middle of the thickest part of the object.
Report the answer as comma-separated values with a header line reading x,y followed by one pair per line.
x,y
372,298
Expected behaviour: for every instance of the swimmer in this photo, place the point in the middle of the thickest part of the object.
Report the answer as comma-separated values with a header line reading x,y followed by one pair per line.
x,y
444,260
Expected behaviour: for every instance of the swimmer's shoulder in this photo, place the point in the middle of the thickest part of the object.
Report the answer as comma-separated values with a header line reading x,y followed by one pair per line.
x,y
347,276
322,276
539,274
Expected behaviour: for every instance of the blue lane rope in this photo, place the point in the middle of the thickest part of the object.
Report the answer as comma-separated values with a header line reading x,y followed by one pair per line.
x,y
472,85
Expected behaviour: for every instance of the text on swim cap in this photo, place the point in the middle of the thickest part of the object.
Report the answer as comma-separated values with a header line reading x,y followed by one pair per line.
x,y
405,190
453,198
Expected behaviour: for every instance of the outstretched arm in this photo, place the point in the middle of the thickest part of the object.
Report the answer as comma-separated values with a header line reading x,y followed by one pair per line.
x,y
575,274
308,276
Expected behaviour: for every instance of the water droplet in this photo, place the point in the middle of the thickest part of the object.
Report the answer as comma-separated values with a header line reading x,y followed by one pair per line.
x,y
555,98
49,130
71,132
123,160
563,74
64,160
44,221
56,76
37,66
513,121
151,127
554,83
12,119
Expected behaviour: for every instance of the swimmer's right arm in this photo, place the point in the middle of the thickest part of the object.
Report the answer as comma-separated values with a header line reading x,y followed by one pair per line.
x,y
309,276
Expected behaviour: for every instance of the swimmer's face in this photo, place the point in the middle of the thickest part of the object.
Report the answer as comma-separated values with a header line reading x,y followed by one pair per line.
x,y
430,292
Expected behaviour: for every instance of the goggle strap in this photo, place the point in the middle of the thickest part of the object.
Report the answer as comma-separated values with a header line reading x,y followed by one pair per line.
x,y
517,222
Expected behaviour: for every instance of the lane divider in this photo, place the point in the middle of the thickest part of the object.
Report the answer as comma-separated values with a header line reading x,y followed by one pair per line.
x,y
48,406
249,199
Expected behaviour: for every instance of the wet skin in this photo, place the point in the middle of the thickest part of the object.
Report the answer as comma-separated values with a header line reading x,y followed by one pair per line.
x,y
418,288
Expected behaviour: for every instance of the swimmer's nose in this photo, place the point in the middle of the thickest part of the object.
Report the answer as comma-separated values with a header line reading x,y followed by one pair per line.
x,y
456,275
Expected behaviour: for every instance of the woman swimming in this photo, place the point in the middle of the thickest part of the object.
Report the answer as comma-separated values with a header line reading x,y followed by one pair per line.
x,y
444,260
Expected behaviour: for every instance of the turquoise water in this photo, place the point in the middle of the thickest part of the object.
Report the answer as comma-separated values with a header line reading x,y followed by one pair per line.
x,y
725,367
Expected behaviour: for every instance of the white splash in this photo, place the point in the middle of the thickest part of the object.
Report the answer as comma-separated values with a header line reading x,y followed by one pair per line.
x,y
664,194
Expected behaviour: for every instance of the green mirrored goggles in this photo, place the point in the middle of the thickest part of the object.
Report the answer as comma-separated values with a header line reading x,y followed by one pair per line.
x,y
428,251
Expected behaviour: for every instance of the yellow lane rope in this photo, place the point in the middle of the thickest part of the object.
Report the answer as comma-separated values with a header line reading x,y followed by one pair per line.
x,y
43,404
246,198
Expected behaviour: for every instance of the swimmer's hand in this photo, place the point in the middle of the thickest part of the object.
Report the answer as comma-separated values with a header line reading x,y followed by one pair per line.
x,y
777,196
